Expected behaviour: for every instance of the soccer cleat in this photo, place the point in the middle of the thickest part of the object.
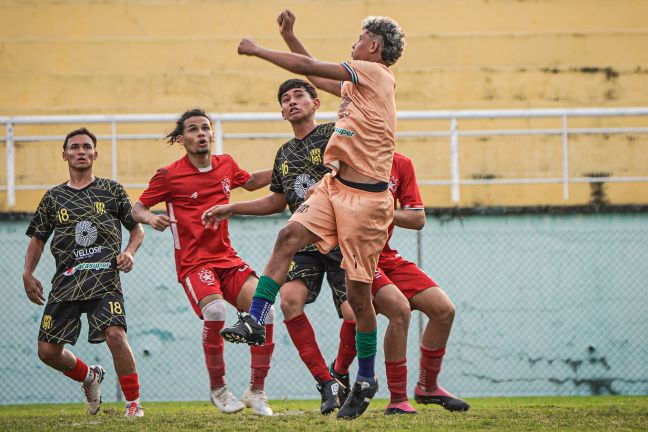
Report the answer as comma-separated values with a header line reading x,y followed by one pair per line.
x,y
358,399
246,330
440,397
330,391
403,407
134,409
343,379
225,401
93,390
258,401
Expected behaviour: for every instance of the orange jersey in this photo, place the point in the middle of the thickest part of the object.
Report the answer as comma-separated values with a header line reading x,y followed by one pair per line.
x,y
366,127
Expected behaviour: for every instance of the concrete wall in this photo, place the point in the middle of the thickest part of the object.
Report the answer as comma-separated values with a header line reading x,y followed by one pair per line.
x,y
71,57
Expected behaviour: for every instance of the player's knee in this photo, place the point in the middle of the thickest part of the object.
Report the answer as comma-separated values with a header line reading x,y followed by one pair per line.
x,y
400,315
115,336
289,240
291,307
215,311
448,312
48,353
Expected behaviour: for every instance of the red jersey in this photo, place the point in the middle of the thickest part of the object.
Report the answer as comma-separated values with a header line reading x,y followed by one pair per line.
x,y
403,186
188,192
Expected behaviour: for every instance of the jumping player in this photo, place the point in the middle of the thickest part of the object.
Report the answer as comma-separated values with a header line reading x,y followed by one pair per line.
x,y
351,206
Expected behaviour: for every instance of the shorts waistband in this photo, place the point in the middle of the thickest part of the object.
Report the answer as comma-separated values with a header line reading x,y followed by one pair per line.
x,y
368,187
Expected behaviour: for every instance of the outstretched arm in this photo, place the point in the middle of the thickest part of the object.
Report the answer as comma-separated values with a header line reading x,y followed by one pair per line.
x,y
269,204
258,180
410,218
296,63
286,21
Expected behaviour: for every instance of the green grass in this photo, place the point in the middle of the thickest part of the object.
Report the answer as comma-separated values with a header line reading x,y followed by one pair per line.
x,y
613,413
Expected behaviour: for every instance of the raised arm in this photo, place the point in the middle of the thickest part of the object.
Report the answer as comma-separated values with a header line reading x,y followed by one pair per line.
x,y
286,21
296,63
33,287
258,180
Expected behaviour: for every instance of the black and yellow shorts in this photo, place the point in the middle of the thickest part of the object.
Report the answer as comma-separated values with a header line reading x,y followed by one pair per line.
x,y
310,266
61,323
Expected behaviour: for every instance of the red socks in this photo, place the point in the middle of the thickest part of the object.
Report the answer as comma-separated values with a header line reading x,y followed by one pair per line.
x,y
130,387
347,349
397,380
79,372
430,367
213,347
303,337
261,357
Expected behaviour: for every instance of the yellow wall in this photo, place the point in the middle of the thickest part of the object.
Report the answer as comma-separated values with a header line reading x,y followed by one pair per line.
x,y
162,56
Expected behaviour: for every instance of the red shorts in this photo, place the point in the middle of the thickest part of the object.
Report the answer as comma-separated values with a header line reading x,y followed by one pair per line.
x,y
406,275
207,280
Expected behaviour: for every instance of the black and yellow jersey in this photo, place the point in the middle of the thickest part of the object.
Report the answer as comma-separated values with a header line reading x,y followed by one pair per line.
x,y
299,164
87,237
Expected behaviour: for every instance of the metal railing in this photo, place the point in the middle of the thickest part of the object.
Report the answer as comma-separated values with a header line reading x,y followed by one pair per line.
x,y
453,133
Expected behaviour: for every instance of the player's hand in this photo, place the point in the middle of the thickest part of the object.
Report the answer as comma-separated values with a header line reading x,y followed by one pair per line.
x,y
160,222
247,46
286,21
214,215
125,262
34,289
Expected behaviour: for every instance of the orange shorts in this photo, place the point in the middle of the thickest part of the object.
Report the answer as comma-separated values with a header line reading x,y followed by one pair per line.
x,y
355,219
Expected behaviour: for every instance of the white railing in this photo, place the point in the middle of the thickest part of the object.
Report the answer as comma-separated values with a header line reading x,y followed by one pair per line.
x,y
453,133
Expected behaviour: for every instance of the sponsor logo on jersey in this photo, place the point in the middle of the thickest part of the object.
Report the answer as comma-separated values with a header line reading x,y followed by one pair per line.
x,y
302,208
345,132
243,268
85,233
100,208
302,183
87,253
87,266
227,186
194,195
206,276
316,156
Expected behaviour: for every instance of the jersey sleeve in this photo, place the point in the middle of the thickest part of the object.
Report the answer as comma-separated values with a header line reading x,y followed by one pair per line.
x,y
157,190
42,224
327,129
362,72
409,195
276,184
239,175
124,208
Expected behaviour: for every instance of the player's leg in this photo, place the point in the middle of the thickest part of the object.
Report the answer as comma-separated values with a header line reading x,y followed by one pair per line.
x,y
362,232
204,292
304,284
107,322
339,368
61,325
440,311
242,284
313,222
390,302
425,295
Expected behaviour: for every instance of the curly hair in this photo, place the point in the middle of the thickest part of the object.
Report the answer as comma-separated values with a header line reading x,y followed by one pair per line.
x,y
392,35
173,136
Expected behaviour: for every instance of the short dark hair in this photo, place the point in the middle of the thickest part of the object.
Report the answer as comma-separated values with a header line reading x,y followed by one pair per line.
x,y
173,136
80,131
294,83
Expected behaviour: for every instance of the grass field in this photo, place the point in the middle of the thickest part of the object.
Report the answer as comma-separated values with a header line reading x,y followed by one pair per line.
x,y
615,413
